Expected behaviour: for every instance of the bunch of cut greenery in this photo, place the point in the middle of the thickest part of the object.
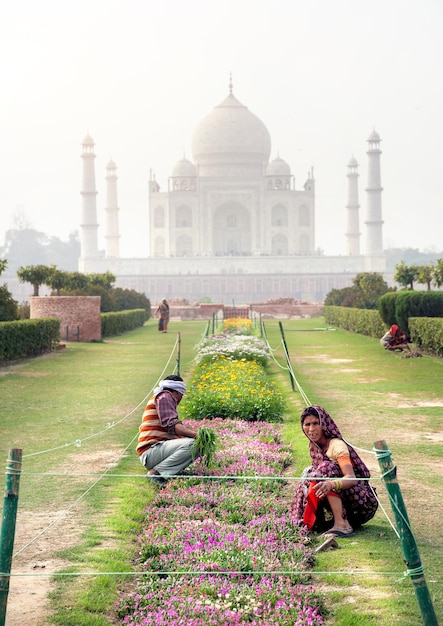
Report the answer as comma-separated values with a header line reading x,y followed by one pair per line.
x,y
205,445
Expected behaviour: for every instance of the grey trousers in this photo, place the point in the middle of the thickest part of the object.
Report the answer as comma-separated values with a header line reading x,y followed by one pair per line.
x,y
169,457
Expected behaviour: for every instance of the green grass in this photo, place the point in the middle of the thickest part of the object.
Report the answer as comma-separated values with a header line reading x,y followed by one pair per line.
x,y
373,395
55,400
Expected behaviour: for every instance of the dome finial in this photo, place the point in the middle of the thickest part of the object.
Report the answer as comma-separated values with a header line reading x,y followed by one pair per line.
x,y
230,84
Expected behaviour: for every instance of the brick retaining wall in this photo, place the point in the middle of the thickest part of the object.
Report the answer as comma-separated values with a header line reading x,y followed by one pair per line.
x,y
79,315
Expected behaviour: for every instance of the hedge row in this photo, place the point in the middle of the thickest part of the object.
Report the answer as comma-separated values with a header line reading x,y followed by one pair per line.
x,y
119,322
363,321
398,307
427,333
27,338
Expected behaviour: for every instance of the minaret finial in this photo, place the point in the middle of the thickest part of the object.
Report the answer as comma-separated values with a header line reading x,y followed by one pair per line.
x,y
230,84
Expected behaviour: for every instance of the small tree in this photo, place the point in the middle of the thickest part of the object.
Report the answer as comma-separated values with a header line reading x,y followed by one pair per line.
x,y
405,275
8,306
105,280
371,286
438,272
77,281
37,275
58,280
425,275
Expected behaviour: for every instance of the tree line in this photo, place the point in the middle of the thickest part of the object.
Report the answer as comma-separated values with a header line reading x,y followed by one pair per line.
x,y
63,283
368,287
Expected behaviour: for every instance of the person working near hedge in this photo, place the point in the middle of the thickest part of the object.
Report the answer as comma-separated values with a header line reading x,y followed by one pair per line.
x,y
165,445
395,339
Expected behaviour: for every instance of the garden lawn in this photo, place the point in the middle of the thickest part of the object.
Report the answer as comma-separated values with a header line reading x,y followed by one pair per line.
x,y
374,395
70,395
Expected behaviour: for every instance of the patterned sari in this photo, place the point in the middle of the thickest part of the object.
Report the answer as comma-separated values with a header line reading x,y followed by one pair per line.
x,y
359,502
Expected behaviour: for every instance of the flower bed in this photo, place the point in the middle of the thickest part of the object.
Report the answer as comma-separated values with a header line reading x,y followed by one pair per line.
x,y
220,548
232,389
233,347
238,325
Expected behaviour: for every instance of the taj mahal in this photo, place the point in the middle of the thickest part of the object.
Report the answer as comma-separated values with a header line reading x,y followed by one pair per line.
x,y
231,225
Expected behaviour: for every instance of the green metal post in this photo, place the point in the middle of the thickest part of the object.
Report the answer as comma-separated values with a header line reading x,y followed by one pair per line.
x,y
178,353
291,378
13,468
409,546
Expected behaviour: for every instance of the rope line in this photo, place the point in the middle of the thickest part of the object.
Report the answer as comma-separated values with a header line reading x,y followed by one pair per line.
x,y
78,442
62,515
223,573
198,476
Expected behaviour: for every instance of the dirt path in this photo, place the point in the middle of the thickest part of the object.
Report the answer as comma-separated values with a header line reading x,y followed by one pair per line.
x,y
27,599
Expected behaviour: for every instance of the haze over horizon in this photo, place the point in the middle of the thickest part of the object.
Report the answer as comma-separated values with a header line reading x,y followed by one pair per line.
x,y
139,76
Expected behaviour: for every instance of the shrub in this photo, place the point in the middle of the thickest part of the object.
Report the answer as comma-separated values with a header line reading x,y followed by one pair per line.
x,y
122,321
386,307
363,321
427,333
27,338
417,304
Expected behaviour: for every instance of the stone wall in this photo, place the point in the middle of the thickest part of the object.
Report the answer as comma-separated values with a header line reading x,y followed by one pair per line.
x,y
267,310
79,315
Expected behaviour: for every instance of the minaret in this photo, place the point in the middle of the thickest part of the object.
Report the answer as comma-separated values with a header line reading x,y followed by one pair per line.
x,y
89,225
112,232
374,222
353,234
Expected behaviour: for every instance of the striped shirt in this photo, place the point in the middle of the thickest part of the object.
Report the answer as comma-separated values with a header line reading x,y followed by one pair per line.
x,y
158,421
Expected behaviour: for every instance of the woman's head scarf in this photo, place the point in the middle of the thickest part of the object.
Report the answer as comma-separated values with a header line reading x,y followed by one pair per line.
x,y
331,431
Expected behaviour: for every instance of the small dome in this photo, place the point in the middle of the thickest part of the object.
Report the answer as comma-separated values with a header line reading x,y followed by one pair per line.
x,y
353,162
111,165
184,168
374,136
88,140
278,167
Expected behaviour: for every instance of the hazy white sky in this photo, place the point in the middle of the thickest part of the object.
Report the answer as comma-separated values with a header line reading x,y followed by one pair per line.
x,y
139,75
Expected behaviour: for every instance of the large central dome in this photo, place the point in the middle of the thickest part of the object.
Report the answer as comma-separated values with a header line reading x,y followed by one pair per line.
x,y
231,141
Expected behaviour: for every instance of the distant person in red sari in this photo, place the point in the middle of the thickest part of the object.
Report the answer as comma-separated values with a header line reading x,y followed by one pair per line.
x,y
163,312
343,502
395,339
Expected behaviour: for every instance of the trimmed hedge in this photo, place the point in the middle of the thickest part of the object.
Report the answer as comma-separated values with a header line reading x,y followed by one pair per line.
x,y
386,307
27,338
119,322
427,333
363,321
417,304
397,307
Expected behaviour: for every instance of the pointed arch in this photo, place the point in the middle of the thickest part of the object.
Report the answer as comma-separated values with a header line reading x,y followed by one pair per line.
x,y
279,215
279,245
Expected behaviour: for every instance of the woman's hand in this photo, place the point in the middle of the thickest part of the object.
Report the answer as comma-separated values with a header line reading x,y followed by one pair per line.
x,y
323,488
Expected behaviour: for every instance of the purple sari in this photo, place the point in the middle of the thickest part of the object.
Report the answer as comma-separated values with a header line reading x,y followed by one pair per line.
x,y
359,502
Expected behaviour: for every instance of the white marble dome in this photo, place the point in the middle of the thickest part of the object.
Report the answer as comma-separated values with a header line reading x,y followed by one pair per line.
x,y
231,140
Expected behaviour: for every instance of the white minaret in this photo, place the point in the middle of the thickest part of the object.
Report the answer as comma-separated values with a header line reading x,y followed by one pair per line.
x,y
112,231
353,232
374,222
89,225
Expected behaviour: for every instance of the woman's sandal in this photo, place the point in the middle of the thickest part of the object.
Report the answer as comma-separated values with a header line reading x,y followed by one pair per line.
x,y
336,532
